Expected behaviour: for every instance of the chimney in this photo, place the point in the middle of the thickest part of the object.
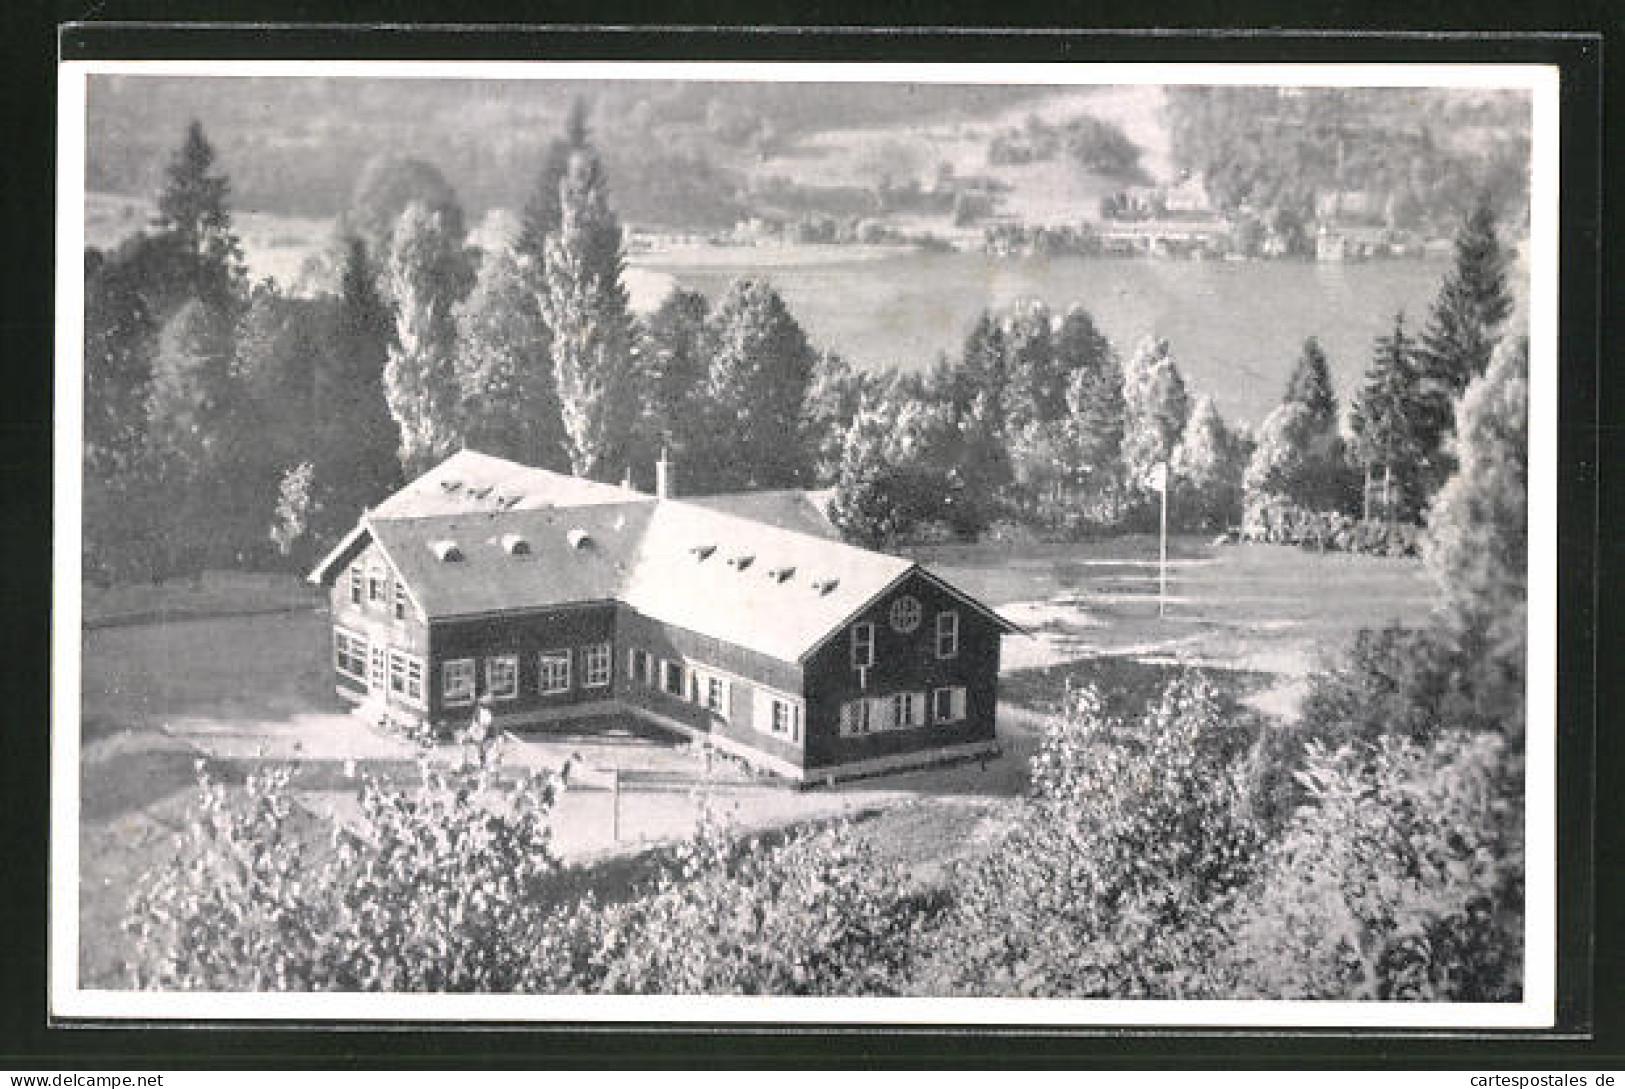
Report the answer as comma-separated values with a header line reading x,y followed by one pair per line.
x,y
663,477
626,482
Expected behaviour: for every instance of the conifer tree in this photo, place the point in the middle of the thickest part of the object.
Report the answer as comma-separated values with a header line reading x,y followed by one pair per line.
x,y
357,441
1035,389
1311,386
1094,400
984,363
584,306
1462,331
1207,470
542,215
1384,421
193,215
674,369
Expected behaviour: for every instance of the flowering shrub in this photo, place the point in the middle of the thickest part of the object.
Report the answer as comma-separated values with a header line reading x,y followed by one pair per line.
x,y
1400,880
1113,885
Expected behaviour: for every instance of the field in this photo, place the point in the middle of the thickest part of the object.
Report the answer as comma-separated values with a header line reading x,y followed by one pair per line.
x,y
237,675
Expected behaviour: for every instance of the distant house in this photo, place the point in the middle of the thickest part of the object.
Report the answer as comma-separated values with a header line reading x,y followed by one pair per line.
x,y
546,598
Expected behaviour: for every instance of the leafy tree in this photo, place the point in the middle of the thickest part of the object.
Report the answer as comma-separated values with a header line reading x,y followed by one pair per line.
x,y
290,525
761,369
1478,532
834,397
1387,432
192,213
1463,329
427,275
584,306
872,504
1118,877
509,401
1155,409
1035,389
121,330
1401,880
385,188
1095,408
1207,471
674,369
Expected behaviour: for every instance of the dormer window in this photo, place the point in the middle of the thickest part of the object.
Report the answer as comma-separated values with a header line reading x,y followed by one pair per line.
x,y
579,538
702,551
515,545
741,561
446,551
781,574
825,586
863,645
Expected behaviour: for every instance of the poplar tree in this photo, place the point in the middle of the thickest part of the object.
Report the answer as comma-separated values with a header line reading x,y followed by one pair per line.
x,y
427,275
1155,409
584,306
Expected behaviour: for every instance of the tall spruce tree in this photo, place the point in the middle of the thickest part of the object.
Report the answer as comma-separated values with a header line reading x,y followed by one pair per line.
x,y
1384,421
984,361
1094,400
1035,389
427,275
1462,331
1311,386
584,306
193,215
761,369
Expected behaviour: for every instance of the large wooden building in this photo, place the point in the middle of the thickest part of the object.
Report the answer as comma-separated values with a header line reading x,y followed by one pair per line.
x,y
546,598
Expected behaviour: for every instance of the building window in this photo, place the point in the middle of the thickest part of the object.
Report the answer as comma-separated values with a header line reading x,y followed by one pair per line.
x,y
355,586
350,654
948,634
375,586
671,678
595,665
457,682
882,714
907,710
400,601
785,721
863,646
714,694
502,677
948,705
553,669
854,718
640,667
905,615
406,676
380,669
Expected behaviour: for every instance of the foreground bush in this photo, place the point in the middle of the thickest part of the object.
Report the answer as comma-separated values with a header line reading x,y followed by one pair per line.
x,y
1402,879
1134,843
1277,521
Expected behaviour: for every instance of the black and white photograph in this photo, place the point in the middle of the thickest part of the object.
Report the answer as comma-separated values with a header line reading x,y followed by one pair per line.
x,y
889,544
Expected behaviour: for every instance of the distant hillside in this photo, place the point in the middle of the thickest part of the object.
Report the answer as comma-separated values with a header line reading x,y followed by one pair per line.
x,y
1409,158
678,153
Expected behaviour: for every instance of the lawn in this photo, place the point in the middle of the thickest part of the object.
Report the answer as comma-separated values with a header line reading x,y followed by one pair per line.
x,y
244,690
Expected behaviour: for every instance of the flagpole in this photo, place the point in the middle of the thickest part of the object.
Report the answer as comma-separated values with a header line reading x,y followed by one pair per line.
x,y
1162,550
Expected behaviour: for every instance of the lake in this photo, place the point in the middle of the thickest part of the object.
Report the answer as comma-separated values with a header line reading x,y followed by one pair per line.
x,y
1235,327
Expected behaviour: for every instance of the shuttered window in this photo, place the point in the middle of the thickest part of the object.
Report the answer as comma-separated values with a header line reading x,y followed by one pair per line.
x,y
863,646
948,634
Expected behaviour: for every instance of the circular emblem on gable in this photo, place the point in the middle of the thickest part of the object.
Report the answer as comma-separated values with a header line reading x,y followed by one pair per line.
x,y
905,614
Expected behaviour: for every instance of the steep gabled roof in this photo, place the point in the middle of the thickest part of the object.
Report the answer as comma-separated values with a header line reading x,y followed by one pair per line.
x,y
470,481
788,508
774,590
770,589
578,555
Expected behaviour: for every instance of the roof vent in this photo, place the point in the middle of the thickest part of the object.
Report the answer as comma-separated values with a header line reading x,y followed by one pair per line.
x,y
741,561
579,538
515,545
481,492
702,551
446,551
512,501
451,485
824,586
780,574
